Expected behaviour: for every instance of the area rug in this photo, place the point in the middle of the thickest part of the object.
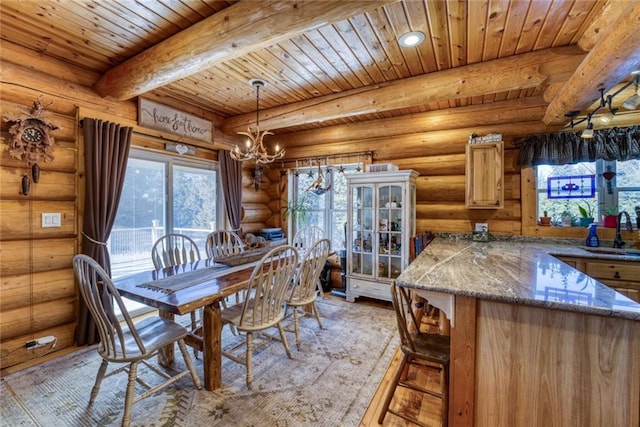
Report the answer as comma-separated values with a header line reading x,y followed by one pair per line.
x,y
329,382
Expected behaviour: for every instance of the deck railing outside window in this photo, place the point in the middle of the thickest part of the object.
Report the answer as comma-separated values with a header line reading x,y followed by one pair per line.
x,y
130,248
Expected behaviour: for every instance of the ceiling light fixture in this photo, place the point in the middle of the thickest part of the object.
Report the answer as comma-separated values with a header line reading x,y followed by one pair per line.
x,y
588,132
411,39
605,118
634,100
255,149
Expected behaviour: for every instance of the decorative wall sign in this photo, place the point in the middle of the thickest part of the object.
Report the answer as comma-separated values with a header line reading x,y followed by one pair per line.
x,y
31,140
487,139
571,187
164,118
180,148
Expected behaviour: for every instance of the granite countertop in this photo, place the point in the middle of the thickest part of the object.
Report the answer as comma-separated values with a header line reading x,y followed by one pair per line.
x,y
520,271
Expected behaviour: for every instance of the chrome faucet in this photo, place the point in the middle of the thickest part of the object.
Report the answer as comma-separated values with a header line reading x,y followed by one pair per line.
x,y
618,242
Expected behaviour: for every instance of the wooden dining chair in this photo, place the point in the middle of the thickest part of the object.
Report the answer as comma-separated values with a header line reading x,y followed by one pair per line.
x,y
307,236
175,249
304,239
223,243
427,350
263,308
303,292
125,342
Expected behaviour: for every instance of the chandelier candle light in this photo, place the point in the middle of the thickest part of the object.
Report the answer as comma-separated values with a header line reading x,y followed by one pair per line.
x,y
255,149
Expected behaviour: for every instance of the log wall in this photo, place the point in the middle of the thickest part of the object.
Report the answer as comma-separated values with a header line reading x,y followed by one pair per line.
x,y
38,296
37,292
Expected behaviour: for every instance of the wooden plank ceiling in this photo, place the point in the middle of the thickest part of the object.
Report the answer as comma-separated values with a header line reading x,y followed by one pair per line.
x,y
337,62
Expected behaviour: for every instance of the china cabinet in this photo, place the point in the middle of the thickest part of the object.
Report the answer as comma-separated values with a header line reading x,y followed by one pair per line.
x,y
380,224
484,176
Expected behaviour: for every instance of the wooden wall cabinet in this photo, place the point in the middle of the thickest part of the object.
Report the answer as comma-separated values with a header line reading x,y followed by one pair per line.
x,y
380,223
484,176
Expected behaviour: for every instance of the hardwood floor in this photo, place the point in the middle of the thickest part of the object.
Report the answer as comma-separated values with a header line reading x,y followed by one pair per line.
x,y
423,407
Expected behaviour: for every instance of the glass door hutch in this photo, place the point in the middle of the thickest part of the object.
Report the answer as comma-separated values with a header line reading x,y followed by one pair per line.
x,y
380,223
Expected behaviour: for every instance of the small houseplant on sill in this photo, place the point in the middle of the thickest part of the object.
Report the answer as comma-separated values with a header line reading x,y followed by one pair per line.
x,y
610,217
586,214
545,219
567,219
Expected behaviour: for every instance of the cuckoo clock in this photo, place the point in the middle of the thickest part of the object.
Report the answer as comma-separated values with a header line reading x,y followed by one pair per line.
x,y
31,140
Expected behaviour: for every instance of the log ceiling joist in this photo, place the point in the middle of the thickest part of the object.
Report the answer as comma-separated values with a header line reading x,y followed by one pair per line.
x,y
500,112
522,71
231,33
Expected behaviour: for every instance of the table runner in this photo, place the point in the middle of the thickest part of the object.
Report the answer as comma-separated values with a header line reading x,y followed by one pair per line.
x,y
174,283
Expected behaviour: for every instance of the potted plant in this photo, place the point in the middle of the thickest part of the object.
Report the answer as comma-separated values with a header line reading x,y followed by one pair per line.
x,y
298,211
610,216
545,219
586,214
567,218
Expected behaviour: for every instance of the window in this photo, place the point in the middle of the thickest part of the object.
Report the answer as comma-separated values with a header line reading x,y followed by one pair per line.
x,y
161,194
329,210
617,189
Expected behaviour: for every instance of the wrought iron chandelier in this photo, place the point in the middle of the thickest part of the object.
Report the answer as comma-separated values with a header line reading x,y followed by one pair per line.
x,y
255,149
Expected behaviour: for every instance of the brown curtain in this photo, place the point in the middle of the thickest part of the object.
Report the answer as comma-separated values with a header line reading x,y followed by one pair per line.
x,y
106,147
231,171
568,147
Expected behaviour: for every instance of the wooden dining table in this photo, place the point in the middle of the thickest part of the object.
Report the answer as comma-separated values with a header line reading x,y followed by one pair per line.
x,y
183,289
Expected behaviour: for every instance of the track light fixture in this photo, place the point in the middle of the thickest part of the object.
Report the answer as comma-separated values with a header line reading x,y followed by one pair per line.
x,y
633,101
607,117
588,132
606,102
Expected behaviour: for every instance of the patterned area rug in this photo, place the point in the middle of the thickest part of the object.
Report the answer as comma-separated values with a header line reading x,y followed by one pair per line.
x,y
329,382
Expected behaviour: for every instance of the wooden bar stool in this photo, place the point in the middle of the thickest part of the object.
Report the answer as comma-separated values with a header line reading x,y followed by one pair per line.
x,y
429,351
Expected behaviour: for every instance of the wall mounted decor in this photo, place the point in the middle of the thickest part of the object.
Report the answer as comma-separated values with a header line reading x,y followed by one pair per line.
x,y
167,119
257,173
31,139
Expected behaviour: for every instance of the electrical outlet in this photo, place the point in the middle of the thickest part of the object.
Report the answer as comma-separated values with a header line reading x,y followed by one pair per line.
x,y
482,226
41,342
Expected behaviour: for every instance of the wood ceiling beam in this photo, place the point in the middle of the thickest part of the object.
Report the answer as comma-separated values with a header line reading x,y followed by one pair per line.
x,y
611,60
437,143
517,72
230,33
501,112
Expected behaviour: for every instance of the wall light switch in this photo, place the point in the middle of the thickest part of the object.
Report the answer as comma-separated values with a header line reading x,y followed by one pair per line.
x,y
51,219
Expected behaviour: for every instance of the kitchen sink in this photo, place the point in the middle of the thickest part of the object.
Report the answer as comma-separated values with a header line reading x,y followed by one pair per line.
x,y
613,251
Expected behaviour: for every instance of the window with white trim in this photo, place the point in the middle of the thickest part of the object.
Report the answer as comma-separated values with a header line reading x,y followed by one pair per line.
x,y
328,210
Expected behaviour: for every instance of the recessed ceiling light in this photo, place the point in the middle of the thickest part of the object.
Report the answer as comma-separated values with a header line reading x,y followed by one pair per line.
x,y
414,38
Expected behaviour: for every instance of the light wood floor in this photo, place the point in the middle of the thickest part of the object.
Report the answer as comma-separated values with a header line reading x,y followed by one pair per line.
x,y
423,407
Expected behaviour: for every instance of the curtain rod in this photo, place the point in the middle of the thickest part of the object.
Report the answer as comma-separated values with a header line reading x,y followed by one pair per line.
x,y
300,162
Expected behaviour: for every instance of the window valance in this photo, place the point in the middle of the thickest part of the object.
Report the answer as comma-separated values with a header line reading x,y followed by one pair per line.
x,y
568,147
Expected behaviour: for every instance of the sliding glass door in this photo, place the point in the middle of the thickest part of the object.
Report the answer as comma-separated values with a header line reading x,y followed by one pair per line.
x,y
162,194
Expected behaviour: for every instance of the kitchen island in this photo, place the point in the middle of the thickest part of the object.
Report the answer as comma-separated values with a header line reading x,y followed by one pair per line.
x,y
534,341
